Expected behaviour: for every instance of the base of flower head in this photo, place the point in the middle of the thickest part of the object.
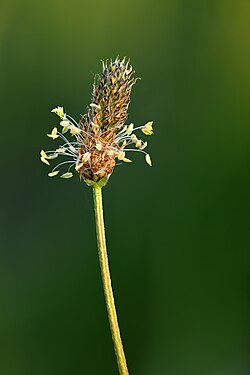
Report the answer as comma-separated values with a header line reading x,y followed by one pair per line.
x,y
99,183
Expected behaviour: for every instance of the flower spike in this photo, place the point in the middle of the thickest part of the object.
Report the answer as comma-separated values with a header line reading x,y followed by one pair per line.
x,y
100,139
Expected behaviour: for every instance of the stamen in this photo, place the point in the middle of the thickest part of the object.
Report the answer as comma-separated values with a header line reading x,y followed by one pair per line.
x,y
148,160
65,139
134,149
67,175
52,174
58,165
53,134
71,118
43,154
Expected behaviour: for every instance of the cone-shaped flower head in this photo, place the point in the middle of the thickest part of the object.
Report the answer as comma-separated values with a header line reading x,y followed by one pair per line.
x,y
101,136
111,96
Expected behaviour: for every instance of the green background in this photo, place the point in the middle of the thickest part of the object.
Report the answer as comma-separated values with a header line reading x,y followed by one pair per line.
x,y
178,233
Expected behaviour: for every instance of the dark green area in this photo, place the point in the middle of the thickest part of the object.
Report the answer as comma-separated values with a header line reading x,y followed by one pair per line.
x,y
178,233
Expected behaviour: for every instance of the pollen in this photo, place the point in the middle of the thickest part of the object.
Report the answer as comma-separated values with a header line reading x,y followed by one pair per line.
x,y
61,150
59,111
53,134
43,154
79,166
148,159
74,130
52,174
52,156
138,144
66,125
86,157
45,161
134,138
127,160
147,129
121,155
144,145
67,175
130,129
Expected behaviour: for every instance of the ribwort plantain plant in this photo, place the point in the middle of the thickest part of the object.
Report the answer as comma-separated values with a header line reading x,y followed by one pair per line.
x,y
100,140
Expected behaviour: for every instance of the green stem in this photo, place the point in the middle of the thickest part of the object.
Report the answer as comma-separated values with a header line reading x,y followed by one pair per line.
x,y
108,292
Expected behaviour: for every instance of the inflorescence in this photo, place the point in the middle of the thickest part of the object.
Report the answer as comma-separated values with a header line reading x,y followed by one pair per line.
x,y
101,137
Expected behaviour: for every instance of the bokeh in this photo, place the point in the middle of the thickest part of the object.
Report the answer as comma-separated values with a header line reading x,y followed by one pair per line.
x,y
178,233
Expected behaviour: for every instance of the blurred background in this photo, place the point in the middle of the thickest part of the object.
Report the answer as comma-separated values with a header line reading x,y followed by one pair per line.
x,y
178,233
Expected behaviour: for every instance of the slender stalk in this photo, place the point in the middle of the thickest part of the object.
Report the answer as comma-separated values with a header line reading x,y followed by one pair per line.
x,y
106,280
